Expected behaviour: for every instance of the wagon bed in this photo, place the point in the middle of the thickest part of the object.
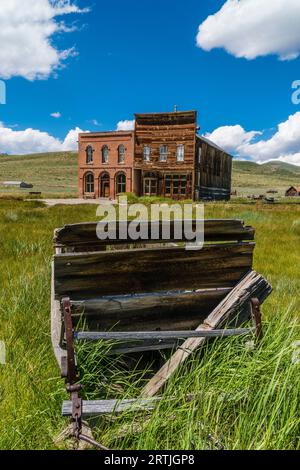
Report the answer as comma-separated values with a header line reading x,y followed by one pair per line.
x,y
149,295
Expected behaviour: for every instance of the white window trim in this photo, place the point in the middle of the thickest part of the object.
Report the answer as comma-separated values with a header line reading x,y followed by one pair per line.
x,y
179,147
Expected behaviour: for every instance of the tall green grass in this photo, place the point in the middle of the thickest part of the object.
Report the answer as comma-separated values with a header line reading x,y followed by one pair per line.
x,y
226,396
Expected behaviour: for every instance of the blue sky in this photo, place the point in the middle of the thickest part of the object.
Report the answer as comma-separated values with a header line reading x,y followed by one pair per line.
x,y
138,56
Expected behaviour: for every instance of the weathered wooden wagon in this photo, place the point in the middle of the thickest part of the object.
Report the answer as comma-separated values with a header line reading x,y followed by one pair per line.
x,y
149,295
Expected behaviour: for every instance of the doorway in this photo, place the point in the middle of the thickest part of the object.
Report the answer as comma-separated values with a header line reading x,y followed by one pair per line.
x,y
104,185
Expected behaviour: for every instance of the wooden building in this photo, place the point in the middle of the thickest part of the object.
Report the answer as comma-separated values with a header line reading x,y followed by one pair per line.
x,y
165,157
293,191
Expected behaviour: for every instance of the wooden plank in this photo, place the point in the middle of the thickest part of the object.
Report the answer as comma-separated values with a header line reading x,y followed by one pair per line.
x,y
103,407
142,270
253,285
150,311
56,323
214,230
158,335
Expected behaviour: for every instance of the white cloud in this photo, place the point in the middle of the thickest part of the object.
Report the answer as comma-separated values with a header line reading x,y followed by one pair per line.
x,y
56,115
253,28
231,137
96,123
284,145
26,37
125,125
71,139
35,141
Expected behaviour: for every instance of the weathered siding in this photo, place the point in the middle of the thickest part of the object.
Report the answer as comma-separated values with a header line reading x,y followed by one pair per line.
x,y
170,129
213,172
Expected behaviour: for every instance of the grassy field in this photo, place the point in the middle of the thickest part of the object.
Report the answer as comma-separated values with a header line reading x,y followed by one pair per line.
x,y
55,175
239,398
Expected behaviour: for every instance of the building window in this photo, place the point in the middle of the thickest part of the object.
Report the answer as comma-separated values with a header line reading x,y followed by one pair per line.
x,y
89,183
121,183
105,154
175,185
121,154
147,153
168,185
89,154
150,184
163,153
180,153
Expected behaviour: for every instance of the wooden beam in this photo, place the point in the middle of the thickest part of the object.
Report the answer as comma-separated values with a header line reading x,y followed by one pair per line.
x,y
77,235
158,335
103,407
253,285
148,311
151,270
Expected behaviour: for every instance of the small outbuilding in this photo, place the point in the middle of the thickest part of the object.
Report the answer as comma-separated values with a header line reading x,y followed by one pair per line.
x,y
18,184
293,191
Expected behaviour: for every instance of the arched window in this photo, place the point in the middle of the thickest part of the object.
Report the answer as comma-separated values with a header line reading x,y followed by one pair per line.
x,y
105,154
121,183
121,154
147,153
163,153
89,154
89,183
180,153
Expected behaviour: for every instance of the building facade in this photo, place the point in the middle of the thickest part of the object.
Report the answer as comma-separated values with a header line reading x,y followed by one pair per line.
x,y
105,164
164,156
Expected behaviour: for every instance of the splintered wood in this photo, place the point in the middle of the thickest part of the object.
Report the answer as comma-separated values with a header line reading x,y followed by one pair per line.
x,y
253,285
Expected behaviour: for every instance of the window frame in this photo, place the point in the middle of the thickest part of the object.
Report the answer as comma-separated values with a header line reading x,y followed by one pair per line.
x,y
89,186
176,185
163,155
89,157
121,154
180,147
105,156
117,183
148,154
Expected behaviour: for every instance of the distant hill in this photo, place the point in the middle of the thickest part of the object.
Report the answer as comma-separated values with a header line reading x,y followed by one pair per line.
x,y
50,173
251,178
56,174
270,168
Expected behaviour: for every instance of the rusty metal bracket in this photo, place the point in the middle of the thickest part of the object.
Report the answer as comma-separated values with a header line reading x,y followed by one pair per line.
x,y
256,317
69,369
69,372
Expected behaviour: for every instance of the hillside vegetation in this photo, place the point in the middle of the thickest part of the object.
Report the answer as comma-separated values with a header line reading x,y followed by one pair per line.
x,y
50,173
56,174
251,178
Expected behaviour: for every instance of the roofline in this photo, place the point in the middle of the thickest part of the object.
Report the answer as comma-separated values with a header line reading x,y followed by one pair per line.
x,y
106,133
192,111
209,142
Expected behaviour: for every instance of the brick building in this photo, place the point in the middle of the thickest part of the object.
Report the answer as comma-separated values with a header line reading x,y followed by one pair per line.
x,y
163,156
